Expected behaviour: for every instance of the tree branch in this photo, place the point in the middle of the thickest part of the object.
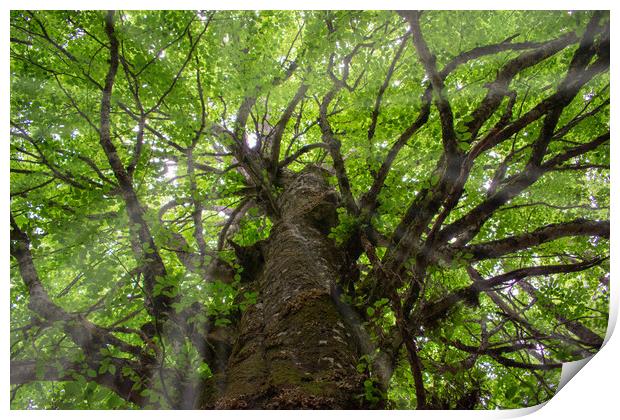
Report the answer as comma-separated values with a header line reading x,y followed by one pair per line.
x,y
429,62
500,247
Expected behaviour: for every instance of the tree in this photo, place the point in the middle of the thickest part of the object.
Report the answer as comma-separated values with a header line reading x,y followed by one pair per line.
x,y
284,209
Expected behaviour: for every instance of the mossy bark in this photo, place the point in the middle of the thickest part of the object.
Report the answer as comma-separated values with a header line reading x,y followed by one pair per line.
x,y
294,348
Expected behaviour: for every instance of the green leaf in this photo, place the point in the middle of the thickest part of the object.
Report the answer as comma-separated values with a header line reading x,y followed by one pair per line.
x,y
122,250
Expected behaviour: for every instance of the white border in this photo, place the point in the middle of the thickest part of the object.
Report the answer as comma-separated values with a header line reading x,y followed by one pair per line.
x,y
592,393
316,4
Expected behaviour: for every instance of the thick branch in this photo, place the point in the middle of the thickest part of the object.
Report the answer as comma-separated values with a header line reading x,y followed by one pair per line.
x,y
333,145
369,200
499,87
497,355
495,249
585,334
281,125
302,150
432,312
154,269
429,62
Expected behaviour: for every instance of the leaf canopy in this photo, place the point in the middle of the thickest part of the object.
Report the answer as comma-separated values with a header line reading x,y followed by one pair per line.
x,y
470,151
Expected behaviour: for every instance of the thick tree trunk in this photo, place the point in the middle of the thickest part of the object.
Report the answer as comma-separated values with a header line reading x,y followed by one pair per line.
x,y
294,348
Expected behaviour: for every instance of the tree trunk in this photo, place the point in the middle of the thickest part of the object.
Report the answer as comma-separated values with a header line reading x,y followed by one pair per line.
x,y
294,348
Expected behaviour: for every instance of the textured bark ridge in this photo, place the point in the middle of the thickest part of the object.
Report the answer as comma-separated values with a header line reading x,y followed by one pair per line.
x,y
294,350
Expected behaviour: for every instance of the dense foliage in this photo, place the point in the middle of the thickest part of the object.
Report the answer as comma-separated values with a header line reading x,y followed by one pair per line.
x,y
470,152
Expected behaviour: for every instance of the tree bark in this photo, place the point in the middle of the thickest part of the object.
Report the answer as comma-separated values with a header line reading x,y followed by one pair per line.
x,y
294,348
